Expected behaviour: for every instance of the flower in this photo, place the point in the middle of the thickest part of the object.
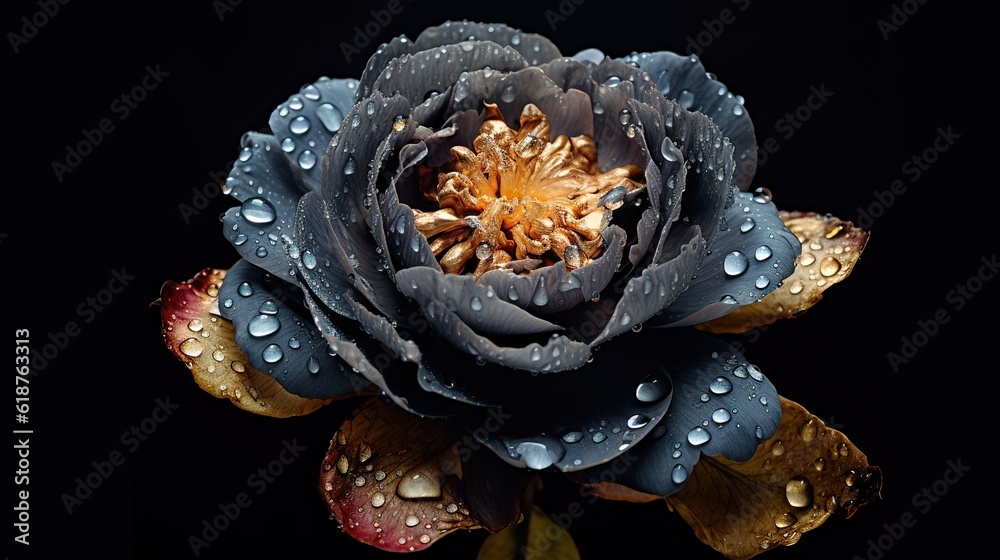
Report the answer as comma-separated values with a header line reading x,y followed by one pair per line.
x,y
519,257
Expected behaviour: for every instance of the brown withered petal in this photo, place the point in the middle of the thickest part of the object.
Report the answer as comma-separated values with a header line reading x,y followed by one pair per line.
x,y
830,248
394,480
793,484
206,343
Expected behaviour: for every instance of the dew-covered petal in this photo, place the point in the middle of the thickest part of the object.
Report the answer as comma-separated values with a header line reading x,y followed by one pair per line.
x,y
354,158
798,479
278,336
721,405
363,354
749,260
655,287
830,249
684,79
575,420
318,256
552,289
262,181
474,303
304,124
422,74
536,49
205,342
394,481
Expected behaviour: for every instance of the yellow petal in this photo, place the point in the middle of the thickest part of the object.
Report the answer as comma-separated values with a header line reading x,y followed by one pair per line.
x,y
800,477
206,343
538,537
830,249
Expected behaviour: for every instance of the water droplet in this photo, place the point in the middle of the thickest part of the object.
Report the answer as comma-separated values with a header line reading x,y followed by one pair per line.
x,y
625,116
240,240
762,282
350,166
598,109
476,304
378,499
799,492
686,99
425,538
360,481
313,365
307,160
762,253
807,259
808,431
829,266
735,263
652,390
842,450
819,464
721,416
299,125
192,347
637,421
762,195
419,486
238,367
541,295
796,287
356,121
785,520
536,354
329,116
572,437
287,145
698,436
720,386
263,325
737,110
295,103
755,372
412,520
626,319
272,353
508,94
256,210
759,432
740,372
228,303
309,260
268,307
747,225
451,508
536,455
598,437
778,448
679,474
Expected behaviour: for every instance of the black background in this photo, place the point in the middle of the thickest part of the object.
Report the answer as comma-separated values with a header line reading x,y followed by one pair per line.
x,y
120,208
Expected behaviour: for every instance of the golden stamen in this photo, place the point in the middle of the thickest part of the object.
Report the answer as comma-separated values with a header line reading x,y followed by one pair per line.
x,y
520,195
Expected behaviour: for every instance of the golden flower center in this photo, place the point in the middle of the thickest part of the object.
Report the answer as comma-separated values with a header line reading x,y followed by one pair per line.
x,y
521,200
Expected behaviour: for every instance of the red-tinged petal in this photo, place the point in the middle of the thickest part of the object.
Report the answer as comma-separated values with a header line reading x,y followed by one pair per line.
x,y
800,477
830,249
394,480
195,333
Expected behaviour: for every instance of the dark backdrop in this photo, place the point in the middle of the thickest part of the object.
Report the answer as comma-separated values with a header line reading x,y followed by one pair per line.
x,y
222,68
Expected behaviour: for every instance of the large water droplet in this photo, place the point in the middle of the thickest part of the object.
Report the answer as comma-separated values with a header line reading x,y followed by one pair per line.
x,y
512,294
272,353
637,421
735,264
259,211
829,266
299,125
652,390
309,260
667,150
720,386
419,485
598,437
799,492
269,307
313,365
288,145
761,282
536,354
572,437
747,225
508,94
307,160
350,166
263,325
378,499
686,99
762,253
192,347
476,304
806,258
679,474
329,116
536,455
785,520
698,436
721,416
762,195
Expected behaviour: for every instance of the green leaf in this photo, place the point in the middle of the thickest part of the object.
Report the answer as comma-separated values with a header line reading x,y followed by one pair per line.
x,y
536,537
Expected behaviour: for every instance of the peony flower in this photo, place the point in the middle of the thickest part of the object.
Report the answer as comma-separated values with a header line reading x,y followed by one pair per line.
x,y
521,261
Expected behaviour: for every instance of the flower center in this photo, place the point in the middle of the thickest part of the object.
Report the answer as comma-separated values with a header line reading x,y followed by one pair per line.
x,y
521,200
